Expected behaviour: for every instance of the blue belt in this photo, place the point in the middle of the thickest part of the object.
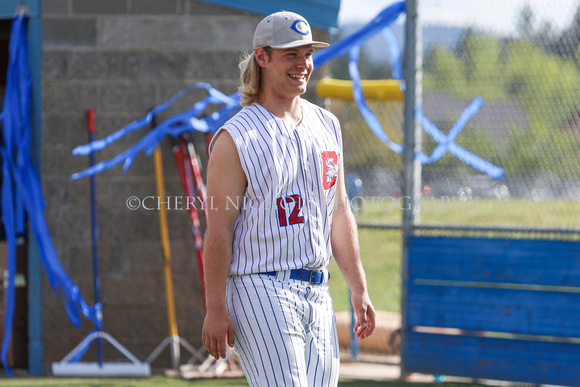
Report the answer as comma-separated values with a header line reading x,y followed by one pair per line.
x,y
315,277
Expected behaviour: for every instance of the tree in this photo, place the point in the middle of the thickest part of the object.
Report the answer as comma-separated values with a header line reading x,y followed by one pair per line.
x,y
546,36
525,23
484,67
471,70
567,44
547,86
445,72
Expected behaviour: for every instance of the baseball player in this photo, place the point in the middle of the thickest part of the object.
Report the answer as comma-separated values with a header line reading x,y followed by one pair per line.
x,y
281,213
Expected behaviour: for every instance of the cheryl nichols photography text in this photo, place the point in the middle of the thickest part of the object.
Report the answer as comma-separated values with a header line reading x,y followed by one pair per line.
x,y
296,202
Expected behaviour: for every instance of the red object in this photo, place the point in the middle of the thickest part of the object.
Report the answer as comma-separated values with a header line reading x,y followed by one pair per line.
x,y
191,181
91,120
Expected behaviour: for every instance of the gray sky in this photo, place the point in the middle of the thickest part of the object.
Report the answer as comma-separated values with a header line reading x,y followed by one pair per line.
x,y
492,15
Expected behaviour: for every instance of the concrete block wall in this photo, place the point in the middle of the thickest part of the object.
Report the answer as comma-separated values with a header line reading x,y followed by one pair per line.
x,y
122,57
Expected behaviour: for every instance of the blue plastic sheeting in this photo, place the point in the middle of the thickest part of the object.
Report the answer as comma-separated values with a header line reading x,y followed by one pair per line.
x,y
21,189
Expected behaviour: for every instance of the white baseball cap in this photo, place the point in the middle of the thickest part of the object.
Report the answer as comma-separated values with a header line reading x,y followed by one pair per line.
x,y
284,30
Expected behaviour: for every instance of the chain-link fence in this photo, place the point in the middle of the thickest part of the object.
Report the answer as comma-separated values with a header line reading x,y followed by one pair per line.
x,y
527,72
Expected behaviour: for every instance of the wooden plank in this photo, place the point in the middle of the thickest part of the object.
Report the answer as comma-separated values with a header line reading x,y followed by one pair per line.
x,y
536,262
491,358
498,310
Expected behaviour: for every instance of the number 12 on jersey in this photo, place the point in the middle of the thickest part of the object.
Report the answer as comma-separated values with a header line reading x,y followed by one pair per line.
x,y
289,210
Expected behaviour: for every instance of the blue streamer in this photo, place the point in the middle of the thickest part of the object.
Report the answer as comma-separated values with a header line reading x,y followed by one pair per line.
x,y
19,175
394,54
17,116
27,183
14,117
214,97
8,220
443,140
173,126
187,121
343,46
352,43
448,145
368,115
21,189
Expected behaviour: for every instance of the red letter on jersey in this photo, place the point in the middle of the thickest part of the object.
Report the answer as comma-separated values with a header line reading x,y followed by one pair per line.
x,y
329,169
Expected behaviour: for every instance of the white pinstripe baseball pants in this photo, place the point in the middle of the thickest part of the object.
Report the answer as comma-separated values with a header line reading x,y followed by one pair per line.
x,y
285,330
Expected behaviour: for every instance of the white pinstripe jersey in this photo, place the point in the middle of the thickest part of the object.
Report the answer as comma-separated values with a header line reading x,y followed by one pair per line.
x,y
286,215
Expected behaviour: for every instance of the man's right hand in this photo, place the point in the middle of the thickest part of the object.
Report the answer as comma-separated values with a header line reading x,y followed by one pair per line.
x,y
218,329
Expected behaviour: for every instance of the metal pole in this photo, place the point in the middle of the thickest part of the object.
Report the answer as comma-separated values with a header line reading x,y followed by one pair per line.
x,y
94,237
192,182
412,143
35,344
167,272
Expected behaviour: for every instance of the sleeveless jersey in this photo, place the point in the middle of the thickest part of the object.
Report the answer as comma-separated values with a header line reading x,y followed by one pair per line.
x,y
286,214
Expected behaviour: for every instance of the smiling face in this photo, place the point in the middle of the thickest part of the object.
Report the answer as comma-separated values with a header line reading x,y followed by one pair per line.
x,y
285,72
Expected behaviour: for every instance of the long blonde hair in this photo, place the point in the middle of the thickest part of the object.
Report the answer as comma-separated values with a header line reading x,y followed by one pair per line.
x,y
250,78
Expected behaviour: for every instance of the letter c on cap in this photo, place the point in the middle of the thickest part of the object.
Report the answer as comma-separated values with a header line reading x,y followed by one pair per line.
x,y
300,26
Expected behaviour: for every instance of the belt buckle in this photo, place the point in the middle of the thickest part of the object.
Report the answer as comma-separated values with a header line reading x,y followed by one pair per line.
x,y
312,273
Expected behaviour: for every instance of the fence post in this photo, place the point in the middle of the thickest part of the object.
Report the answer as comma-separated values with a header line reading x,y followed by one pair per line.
x,y
412,73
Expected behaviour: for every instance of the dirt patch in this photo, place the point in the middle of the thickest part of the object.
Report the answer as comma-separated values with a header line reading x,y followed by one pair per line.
x,y
384,340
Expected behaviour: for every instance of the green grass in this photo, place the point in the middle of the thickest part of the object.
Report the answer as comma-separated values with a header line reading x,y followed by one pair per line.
x,y
381,255
154,381
480,212
161,381
381,249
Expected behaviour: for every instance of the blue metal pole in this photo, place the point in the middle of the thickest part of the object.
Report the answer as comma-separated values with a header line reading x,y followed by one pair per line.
x,y
35,345
412,68
354,344
94,232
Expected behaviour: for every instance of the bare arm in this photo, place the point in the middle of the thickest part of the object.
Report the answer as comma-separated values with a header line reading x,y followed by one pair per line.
x,y
225,178
345,249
